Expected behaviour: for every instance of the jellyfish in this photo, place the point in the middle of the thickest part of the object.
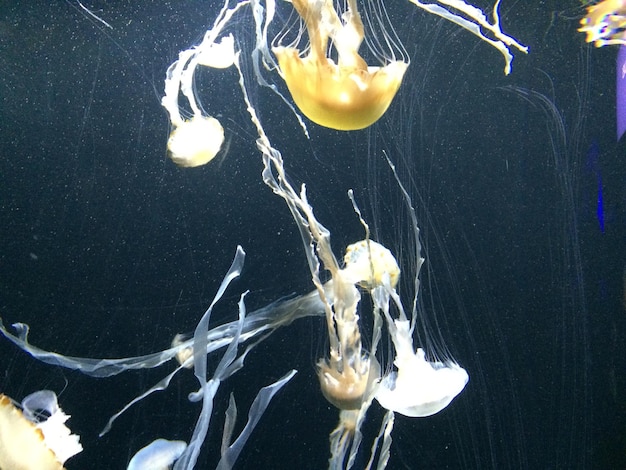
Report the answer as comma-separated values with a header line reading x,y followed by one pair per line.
x,y
348,94
33,436
160,454
196,141
605,23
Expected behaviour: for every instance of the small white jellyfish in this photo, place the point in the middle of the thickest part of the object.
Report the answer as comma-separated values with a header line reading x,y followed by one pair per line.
x,y
160,454
418,388
195,142
28,443
368,261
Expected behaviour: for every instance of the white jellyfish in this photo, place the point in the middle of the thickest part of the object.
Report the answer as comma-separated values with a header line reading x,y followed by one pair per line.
x,y
160,454
196,141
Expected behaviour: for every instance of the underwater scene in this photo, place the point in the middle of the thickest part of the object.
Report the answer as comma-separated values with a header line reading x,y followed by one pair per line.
x,y
308,234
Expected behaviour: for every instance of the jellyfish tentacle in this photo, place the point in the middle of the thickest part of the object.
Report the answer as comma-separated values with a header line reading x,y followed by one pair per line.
x,y
475,21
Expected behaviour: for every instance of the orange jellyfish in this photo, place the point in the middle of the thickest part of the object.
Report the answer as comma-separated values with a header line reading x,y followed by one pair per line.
x,y
605,23
346,95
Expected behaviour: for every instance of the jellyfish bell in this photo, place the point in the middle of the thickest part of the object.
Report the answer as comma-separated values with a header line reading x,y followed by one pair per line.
x,y
184,356
367,261
160,454
196,142
32,444
348,94
419,387
218,55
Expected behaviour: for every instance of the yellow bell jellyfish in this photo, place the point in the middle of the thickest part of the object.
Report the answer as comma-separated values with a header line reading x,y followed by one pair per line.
x,y
346,95
605,23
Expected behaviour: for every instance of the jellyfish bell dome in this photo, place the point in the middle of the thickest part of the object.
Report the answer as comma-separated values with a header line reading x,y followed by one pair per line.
x,y
346,94
419,387
196,142
368,261
342,98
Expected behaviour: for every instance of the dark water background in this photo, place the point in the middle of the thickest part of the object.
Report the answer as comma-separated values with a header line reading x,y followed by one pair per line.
x,y
108,249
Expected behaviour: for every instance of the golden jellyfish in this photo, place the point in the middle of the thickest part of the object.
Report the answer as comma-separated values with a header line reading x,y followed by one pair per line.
x,y
345,95
32,440
605,23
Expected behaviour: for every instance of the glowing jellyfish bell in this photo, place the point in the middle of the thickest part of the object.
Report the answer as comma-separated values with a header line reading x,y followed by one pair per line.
x,y
346,95
32,441
196,141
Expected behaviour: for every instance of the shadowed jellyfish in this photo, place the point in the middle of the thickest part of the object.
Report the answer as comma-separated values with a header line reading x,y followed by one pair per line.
x,y
158,455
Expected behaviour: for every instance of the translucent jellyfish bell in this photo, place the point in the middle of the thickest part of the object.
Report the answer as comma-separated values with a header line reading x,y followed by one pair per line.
x,y
418,388
196,142
346,95
160,454
368,261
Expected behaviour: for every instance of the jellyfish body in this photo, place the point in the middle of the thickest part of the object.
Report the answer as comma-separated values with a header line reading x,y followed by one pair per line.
x,y
346,95
195,142
30,443
605,23
419,387
160,454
